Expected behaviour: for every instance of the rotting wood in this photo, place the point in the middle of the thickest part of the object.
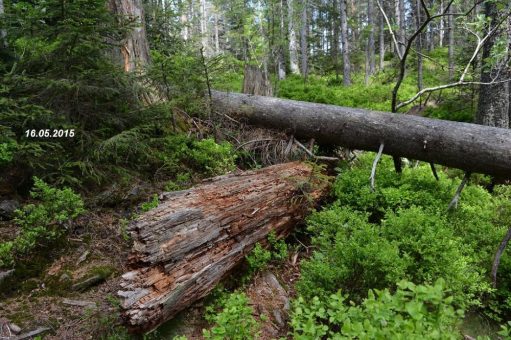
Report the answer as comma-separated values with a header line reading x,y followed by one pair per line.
x,y
470,147
186,245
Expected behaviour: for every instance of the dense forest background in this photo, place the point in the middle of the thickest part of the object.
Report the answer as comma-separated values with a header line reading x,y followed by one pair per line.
x,y
104,104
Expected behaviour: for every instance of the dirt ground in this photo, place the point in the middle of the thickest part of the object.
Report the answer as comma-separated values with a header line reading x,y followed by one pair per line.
x,y
98,248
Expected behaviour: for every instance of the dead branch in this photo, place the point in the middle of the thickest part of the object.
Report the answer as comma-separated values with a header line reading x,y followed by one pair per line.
x,y
375,164
456,198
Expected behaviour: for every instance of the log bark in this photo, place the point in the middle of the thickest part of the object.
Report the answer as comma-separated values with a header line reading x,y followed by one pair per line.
x,y
470,147
186,245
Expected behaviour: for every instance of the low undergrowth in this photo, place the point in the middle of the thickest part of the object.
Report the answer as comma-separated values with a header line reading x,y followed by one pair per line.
x,y
372,241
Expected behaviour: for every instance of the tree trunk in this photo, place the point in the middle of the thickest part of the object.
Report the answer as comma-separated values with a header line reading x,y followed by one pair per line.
x,y
186,245
470,147
335,35
441,28
281,48
345,44
493,108
135,48
419,44
3,33
451,42
303,40
256,81
217,39
400,21
370,43
381,24
293,46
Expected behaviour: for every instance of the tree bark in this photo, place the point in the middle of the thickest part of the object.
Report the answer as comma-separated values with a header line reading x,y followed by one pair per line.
x,y
493,108
303,40
186,245
256,81
3,33
419,43
400,21
293,45
470,147
370,43
381,24
335,36
441,26
345,44
451,42
135,49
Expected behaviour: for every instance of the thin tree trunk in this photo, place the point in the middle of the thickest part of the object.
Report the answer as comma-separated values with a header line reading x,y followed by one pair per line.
x,y
281,58
293,46
442,26
419,44
498,255
382,41
493,108
3,33
451,42
204,28
400,20
370,43
345,44
303,40
217,39
335,43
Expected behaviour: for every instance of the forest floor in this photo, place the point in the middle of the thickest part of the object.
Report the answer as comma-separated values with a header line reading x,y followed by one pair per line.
x,y
98,249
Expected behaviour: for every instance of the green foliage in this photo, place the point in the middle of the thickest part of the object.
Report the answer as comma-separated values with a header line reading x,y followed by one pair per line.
x,y
206,157
153,203
213,158
412,312
234,321
43,223
260,257
402,230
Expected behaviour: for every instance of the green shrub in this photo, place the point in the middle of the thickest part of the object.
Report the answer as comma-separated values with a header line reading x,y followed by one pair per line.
x,y
212,158
350,255
43,223
402,230
206,157
260,257
234,320
412,312
153,203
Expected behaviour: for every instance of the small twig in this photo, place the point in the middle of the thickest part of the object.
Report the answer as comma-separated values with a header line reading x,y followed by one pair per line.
x,y
496,261
308,152
433,170
255,141
455,199
375,163
32,333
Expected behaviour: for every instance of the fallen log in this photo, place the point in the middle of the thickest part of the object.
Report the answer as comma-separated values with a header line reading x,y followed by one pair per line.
x,y
470,147
186,245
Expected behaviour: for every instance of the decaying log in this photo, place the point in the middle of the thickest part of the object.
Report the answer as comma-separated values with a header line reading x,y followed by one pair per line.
x,y
186,245
470,147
